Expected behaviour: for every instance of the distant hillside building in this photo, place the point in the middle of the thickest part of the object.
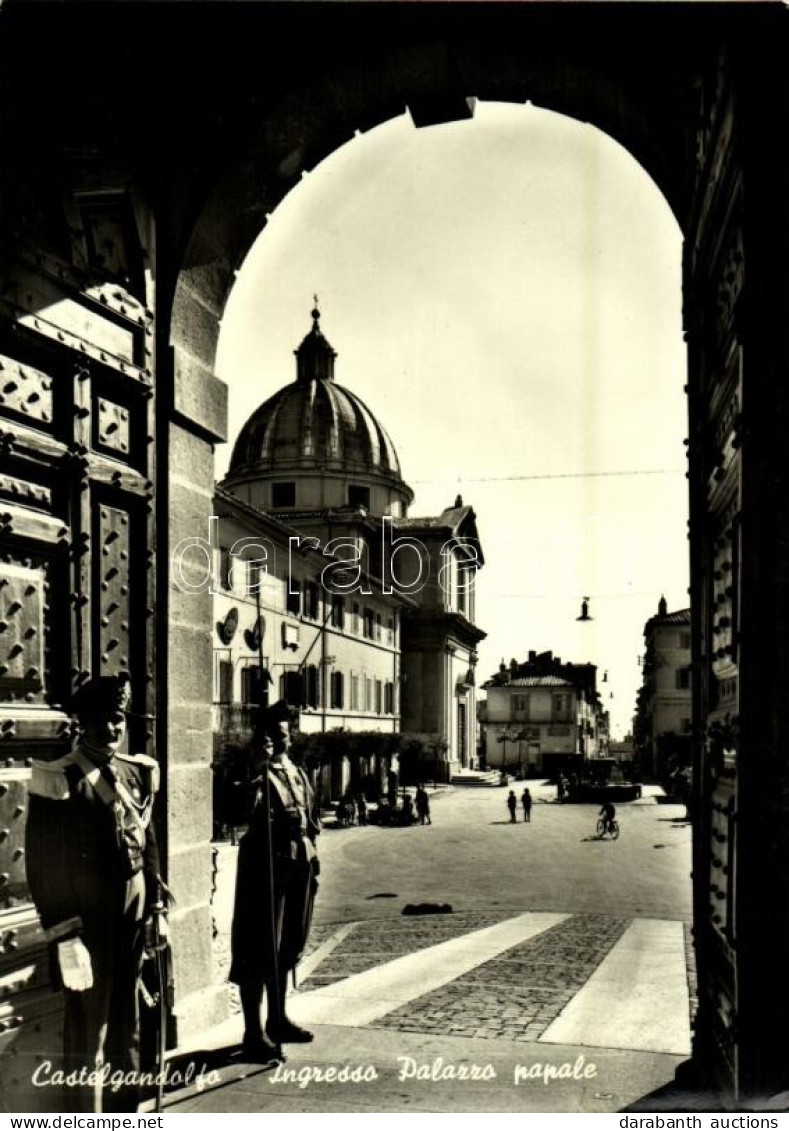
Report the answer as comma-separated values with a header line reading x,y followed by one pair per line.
x,y
543,716
664,713
621,749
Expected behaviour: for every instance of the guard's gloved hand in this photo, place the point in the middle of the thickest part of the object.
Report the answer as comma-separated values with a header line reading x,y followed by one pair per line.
x,y
157,930
76,969
162,927
166,897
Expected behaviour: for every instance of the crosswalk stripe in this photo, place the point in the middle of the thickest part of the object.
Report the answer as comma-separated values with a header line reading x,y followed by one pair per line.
x,y
366,997
637,997
308,965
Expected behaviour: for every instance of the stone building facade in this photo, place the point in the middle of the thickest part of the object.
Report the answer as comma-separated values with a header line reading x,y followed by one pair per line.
x,y
387,598
279,633
440,635
543,716
664,710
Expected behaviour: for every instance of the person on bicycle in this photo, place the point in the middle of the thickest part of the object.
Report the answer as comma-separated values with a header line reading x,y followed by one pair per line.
x,y
608,813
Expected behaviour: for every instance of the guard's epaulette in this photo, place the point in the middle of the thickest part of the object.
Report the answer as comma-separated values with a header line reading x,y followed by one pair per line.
x,y
48,779
147,763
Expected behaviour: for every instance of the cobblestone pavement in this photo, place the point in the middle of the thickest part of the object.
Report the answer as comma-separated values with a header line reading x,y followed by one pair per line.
x,y
377,941
488,870
517,995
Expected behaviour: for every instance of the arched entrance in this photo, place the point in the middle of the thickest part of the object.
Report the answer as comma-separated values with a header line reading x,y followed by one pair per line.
x,y
126,216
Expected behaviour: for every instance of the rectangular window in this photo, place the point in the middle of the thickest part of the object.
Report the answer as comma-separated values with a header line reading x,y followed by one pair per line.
x,y
283,495
225,681
338,611
682,677
238,575
311,681
358,496
311,601
357,619
337,698
559,706
354,692
390,631
250,685
255,574
379,697
520,704
293,600
291,688
379,626
368,694
684,640
369,623
389,708
225,565
462,590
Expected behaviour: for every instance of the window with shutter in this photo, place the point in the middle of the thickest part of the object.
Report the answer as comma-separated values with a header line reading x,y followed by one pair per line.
x,y
293,603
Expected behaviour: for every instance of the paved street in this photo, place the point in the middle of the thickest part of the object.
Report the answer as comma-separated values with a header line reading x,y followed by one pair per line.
x,y
558,946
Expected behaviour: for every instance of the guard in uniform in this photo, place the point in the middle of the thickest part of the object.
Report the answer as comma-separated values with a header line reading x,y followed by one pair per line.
x,y
93,871
258,926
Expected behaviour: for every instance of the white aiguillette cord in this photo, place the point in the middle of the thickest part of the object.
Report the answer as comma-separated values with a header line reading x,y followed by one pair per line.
x,y
96,779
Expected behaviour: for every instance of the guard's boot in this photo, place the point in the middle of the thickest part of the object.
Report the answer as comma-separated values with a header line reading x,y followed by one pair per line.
x,y
257,1049
289,1033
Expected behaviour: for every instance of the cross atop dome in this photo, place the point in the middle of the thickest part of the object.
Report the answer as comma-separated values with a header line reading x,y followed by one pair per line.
x,y
315,357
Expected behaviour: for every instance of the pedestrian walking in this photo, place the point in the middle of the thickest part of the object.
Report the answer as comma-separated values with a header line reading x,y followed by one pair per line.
x,y
526,803
361,808
423,806
512,805
350,806
407,811
384,812
264,952
560,789
94,876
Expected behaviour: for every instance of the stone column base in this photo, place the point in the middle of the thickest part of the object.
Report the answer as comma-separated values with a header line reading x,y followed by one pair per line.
x,y
200,1011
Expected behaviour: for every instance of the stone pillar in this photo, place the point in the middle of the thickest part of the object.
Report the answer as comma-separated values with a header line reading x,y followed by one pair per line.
x,y
736,298
762,857
196,420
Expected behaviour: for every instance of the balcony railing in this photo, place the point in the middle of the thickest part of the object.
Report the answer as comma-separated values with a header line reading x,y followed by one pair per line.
x,y
230,718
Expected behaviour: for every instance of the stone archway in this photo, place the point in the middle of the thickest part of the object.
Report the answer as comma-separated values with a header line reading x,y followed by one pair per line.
x,y
696,138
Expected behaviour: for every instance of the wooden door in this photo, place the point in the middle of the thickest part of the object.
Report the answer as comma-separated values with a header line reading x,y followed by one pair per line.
x,y
77,444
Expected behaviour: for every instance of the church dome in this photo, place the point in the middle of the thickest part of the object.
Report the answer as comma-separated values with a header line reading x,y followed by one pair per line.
x,y
316,426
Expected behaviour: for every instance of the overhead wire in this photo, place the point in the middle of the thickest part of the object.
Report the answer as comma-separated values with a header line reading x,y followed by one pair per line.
x,y
555,475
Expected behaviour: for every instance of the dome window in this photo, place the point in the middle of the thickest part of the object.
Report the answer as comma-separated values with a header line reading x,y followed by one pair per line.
x,y
358,496
283,495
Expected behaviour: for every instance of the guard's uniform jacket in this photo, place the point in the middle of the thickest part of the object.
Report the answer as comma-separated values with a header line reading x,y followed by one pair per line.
x,y
295,823
93,869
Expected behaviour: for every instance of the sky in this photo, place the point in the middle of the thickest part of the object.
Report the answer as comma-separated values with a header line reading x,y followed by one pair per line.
x,y
504,294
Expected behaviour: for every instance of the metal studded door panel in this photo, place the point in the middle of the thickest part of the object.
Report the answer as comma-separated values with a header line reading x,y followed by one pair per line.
x,y
76,541
714,287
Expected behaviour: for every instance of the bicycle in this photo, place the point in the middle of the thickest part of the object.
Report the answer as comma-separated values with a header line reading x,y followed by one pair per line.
x,y
611,827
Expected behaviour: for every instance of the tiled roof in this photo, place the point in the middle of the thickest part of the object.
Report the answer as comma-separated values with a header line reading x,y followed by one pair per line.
x,y
449,519
681,616
537,681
